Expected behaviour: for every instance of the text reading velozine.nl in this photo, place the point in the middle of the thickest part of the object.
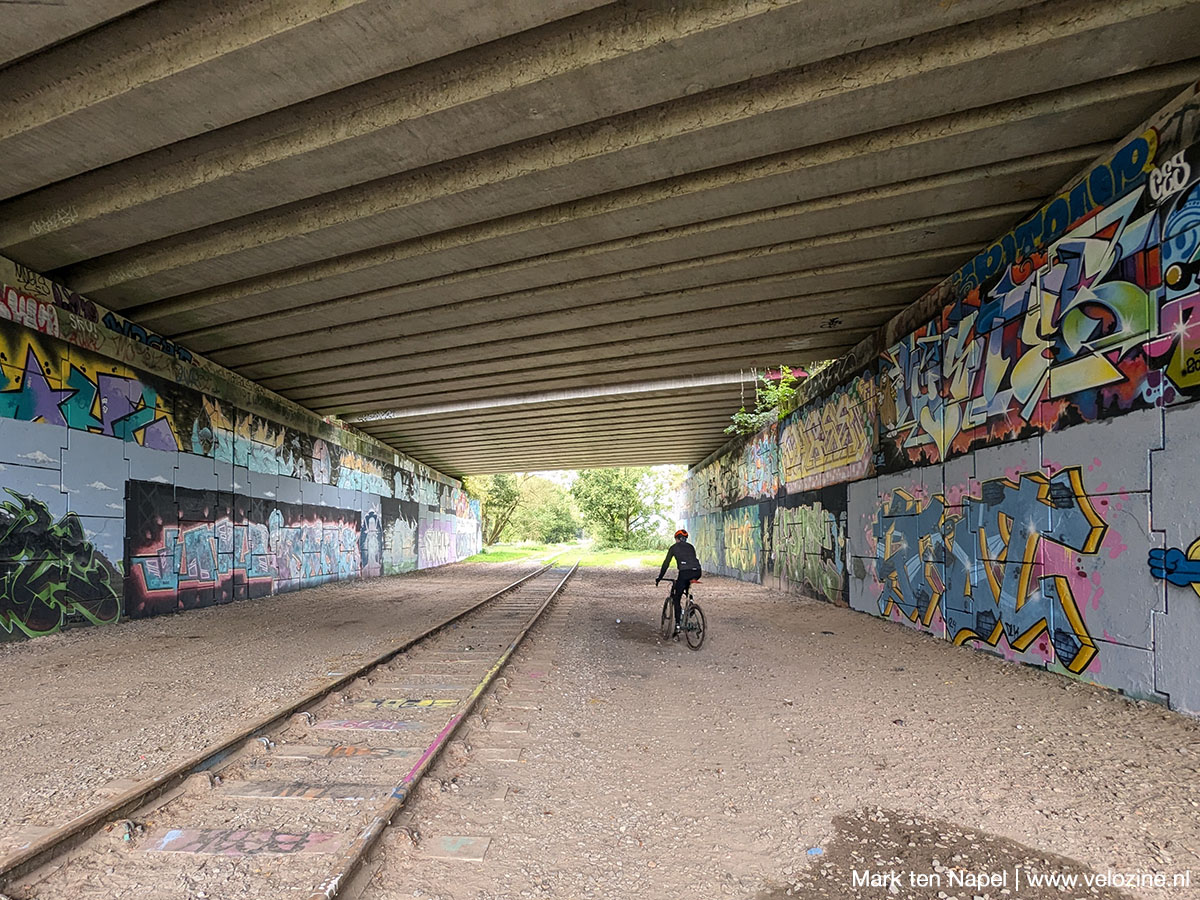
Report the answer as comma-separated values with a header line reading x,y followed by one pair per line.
x,y
1019,877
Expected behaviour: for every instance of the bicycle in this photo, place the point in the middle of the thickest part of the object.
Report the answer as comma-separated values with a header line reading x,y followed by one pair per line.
x,y
691,623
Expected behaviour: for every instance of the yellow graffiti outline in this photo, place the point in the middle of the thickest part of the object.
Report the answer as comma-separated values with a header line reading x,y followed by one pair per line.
x,y
1066,597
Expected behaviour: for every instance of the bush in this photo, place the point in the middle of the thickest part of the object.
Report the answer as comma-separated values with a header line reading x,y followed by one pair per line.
x,y
637,541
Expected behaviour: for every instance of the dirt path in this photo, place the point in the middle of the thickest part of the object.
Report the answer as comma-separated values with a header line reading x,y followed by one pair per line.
x,y
802,744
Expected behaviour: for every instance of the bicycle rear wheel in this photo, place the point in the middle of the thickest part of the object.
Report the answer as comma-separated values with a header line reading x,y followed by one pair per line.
x,y
667,625
694,626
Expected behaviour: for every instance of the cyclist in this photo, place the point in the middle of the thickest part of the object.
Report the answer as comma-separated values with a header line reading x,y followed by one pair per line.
x,y
685,558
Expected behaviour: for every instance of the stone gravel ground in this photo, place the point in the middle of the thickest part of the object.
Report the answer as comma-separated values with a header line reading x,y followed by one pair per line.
x,y
802,744
84,711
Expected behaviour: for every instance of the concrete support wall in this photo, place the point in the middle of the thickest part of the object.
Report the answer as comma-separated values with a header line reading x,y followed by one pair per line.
x,y
1008,465
139,479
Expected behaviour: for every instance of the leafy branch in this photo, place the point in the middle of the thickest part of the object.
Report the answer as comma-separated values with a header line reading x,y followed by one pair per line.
x,y
770,395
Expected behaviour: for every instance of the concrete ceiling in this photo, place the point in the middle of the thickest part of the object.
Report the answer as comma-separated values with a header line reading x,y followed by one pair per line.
x,y
517,225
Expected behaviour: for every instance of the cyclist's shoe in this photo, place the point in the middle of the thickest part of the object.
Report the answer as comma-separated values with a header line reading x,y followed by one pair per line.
x,y
676,634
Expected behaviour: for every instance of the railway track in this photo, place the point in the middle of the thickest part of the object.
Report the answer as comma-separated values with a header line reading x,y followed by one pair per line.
x,y
292,804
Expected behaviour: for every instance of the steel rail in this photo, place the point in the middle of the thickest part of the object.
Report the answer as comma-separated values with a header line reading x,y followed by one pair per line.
x,y
356,851
79,829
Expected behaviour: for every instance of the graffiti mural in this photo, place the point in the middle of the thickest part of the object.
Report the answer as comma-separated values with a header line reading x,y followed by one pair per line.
x,y
41,382
830,441
400,522
28,310
50,573
191,549
1005,453
758,472
707,536
246,523
808,546
742,542
1177,349
1097,322
438,543
370,543
981,565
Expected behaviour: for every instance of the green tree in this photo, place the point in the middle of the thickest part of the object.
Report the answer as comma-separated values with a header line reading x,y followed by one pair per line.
x,y
544,514
499,498
615,504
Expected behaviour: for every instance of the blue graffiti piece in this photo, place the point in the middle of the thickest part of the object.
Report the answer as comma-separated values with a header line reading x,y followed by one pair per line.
x,y
1181,247
200,553
981,567
1174,566
909,552
161,572
139,334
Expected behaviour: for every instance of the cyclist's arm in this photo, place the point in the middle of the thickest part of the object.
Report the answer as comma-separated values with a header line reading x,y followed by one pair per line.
x,y
667,562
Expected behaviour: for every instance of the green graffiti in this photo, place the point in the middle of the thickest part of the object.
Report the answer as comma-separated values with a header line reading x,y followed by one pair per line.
x,y
809,549
49,570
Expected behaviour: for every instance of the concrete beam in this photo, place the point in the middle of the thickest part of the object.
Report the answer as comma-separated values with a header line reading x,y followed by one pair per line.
x,y
28,28
518,247
676,344
177,68
969,226
566,412
599,63
598,436
1045,48
621,319
801,350
679,453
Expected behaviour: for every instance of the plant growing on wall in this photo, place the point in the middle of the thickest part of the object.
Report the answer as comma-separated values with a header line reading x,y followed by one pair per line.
x,y
772,391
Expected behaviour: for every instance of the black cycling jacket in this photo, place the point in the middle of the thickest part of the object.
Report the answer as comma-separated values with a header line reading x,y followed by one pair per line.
x,y
684,555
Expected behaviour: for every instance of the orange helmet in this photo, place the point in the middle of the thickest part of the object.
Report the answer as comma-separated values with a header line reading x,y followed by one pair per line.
x,y
680,534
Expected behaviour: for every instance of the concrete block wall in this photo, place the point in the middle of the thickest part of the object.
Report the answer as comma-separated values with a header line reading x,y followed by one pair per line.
x,y
1007,465
140,479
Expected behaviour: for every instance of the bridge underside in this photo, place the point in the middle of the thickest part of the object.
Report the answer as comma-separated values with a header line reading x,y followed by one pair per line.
x,y
506,236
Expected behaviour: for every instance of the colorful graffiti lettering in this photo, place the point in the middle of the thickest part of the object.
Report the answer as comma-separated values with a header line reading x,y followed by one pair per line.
x,y
357,473
1060,337
140,335
742,540
50,572
408,703
27,310
830,441
110,402
240,548
437,543
981,567
1177,349
808,550
239,842
1128,168
758,473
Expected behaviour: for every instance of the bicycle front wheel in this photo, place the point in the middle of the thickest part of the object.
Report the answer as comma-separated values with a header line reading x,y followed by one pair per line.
x,y
693,627
667,626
